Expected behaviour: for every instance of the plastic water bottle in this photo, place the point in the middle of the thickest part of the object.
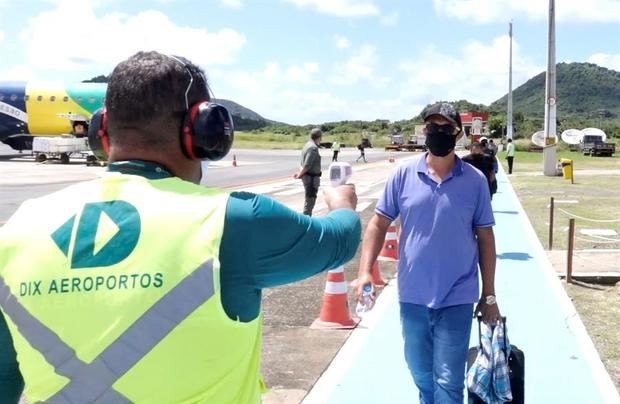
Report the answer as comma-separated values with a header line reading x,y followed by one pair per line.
x,y
365,303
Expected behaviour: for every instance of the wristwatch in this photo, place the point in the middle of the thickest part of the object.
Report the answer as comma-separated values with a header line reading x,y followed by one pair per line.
x,y
490,300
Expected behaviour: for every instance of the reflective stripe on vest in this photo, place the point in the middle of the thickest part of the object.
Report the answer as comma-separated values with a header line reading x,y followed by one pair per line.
x,y
93,382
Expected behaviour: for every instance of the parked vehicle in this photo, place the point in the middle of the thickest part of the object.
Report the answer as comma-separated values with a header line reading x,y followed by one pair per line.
x,y
398,143
594,145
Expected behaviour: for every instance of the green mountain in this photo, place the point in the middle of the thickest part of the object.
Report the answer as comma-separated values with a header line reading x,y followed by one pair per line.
x,y
243,118
587,95
583,89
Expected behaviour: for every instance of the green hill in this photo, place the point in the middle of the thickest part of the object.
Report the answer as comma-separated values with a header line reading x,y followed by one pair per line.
x,y
244,118
587,95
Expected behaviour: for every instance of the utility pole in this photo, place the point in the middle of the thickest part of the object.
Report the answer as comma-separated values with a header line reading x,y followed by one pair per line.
x,y
509,112
549,150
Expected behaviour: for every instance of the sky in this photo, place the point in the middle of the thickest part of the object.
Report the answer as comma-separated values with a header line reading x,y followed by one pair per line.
x,y
313,61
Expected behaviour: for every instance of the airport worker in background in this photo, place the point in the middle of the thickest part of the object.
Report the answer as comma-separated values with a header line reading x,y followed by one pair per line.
x,y
335,150
510,155
362,155
446,234
142,286
310,169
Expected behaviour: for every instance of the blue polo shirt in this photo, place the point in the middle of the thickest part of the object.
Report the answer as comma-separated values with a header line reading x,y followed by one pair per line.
x,y
438,249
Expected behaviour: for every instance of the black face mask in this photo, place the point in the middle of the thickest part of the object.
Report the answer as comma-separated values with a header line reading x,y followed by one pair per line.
x,y
440,139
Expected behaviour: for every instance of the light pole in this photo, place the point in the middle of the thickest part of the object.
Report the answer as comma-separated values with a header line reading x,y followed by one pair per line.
x,y
549,150
509,107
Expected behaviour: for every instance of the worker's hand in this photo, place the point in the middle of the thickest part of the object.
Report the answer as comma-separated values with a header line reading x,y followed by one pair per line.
x,y
361,281
341,197
296,176
489,312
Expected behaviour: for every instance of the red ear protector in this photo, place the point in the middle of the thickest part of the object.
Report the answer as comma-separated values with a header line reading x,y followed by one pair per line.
x,y
207,132
98,139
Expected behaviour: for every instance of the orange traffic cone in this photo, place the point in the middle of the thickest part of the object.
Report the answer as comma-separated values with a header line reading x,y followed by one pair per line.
x,y
377,280
234,160
389,252
335,309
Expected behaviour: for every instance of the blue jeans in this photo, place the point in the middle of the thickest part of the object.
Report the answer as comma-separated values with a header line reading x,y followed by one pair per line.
x,y
436,343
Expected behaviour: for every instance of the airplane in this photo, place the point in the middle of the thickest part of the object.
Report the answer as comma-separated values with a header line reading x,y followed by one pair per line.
x,y
36,109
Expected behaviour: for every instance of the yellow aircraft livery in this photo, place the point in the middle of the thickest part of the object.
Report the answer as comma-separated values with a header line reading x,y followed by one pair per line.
x,y
31,109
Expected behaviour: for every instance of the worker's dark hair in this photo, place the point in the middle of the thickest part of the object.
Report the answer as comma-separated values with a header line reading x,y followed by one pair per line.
x,y
146,94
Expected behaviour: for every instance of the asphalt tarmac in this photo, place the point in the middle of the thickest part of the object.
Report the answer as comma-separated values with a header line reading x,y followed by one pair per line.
x,y
294,356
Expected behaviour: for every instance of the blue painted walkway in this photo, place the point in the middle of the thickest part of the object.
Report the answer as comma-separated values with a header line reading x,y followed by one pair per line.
x,y
562,365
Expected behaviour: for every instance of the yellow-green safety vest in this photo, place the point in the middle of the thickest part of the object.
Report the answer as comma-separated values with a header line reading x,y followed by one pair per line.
x,y
111,290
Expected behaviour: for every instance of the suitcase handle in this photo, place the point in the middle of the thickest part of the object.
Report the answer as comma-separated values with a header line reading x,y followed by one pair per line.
x,y
479,317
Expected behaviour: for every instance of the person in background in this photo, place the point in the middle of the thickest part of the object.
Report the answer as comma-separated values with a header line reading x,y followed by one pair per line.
x,y
484,163
362,155
446,234
510,155
310,171
335,150
492,147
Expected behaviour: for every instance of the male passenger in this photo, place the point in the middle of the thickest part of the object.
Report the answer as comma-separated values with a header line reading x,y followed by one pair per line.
x,y
446,222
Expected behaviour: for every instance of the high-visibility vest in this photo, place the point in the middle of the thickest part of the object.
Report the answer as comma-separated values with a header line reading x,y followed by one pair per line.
x,y
111,290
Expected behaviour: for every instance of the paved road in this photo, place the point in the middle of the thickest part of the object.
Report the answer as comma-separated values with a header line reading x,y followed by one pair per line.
x,y
21,178
561,363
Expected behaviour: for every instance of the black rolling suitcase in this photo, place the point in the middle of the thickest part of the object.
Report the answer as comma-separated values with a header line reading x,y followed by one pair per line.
x,y
516,365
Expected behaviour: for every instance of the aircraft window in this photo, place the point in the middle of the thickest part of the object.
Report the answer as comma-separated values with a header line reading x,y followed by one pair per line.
x,y
91,100
26,98
39,98
79,99
65,98
53,98
13,97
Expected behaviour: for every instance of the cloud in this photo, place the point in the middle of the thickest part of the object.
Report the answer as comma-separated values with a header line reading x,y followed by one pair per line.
x,y
390,19
359,67
231,3
51,40
605,60
342,42
479,73
486,11
18,73
340,8
1,36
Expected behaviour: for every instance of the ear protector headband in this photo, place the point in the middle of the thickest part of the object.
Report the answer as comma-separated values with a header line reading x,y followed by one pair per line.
x,y
207,131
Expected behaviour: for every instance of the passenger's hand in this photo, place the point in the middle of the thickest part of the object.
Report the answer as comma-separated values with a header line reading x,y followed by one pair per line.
x,y
360,283
341,197
490,312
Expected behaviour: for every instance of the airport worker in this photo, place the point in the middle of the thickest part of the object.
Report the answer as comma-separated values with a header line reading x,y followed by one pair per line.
x,y
310,169
143,286
335,150
446,234
510,155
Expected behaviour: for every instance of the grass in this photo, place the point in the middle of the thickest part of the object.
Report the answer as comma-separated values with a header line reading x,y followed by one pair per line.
x,y
599,198
269,140
600,311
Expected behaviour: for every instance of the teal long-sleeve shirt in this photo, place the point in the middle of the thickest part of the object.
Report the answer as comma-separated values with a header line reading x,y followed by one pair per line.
x,y
264,244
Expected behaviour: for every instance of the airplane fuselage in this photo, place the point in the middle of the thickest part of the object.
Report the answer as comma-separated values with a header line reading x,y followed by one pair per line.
x,y
32,109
